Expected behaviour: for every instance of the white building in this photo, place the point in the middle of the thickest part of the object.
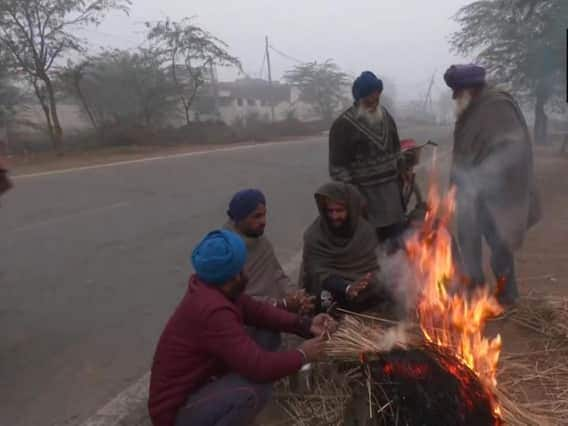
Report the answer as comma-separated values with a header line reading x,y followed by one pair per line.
x,y
251,99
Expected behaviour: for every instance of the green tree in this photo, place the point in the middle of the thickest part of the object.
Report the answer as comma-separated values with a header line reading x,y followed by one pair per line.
x,y
522,44
37,33
122,88
192,53
322,85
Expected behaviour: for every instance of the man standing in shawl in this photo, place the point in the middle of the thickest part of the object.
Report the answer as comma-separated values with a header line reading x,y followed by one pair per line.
x,y
267,281
364,150
339,260
493,172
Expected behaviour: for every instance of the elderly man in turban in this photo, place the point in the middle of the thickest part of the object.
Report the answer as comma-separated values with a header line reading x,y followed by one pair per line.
x,y
267,280
207,370
364,150
340,265
493,172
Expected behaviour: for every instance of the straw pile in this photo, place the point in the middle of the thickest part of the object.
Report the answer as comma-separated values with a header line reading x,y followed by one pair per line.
x,y
538,380
324,402
533,387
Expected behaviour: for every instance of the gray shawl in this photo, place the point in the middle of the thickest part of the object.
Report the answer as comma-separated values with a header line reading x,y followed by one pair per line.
x,y
267,279
493,164
349,256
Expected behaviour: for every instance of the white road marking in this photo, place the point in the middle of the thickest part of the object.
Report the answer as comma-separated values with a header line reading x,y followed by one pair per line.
x,y
135,397
157,158
69,216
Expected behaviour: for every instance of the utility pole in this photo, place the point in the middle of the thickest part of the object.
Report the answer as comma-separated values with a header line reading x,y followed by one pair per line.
x,y
270,100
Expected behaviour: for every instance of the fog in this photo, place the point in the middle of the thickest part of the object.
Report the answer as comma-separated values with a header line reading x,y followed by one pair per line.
x,y
406,41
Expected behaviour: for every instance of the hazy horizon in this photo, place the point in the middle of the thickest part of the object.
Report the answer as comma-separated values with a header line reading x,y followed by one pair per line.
x,y
404,42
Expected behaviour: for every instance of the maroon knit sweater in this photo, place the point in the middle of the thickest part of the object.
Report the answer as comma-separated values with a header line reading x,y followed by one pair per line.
x,y
206,338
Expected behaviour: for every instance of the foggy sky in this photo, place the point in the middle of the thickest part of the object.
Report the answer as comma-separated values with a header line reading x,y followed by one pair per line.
x,y
404,40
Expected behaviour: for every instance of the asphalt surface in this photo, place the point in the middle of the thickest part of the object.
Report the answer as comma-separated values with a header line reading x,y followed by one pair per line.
x,y
93,261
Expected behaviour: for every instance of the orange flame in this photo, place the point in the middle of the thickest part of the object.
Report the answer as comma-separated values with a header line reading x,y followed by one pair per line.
x,y
451,316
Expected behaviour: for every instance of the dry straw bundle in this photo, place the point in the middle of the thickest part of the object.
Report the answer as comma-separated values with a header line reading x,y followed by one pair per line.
x,y
538,380
533,386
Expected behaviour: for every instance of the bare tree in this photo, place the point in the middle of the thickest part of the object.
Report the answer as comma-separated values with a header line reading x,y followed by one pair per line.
x,y
10,98
70,80
39,32
191,52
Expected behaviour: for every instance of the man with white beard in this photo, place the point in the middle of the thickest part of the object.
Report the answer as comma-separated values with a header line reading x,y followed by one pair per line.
x,y
364,150
492,170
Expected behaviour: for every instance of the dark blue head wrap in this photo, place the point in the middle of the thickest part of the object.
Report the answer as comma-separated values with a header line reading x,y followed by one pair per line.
x,y
464,76
220,256
244,203
366,84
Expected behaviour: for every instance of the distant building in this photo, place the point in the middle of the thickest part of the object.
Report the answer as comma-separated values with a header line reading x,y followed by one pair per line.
x,y
250,99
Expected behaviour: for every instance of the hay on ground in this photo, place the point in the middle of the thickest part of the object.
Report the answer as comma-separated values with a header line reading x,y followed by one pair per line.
x,y
543,371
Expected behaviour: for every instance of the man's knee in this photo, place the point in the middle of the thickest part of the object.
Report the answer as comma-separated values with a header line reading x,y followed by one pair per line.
x,y
232,401
254,396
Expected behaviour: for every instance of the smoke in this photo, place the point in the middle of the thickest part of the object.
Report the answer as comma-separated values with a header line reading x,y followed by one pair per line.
x,y
398,277
497,189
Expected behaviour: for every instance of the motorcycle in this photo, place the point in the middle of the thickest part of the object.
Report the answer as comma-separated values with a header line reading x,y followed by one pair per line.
x,y
410,158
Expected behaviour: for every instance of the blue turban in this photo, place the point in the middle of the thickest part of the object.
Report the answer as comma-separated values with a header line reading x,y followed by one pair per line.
x,y
220,256
464,76
244,203
366,84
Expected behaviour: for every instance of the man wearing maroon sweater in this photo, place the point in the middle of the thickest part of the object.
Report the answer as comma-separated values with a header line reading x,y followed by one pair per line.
x,y
207,371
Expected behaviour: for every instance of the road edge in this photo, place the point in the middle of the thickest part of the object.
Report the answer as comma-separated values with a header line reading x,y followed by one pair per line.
x,y
128,408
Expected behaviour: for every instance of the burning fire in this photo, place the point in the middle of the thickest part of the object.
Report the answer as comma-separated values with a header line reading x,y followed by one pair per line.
x,y
450,314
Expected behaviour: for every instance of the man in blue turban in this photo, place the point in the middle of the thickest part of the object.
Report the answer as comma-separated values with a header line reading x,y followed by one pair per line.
x,y
364,150
207,370
493,172
267,281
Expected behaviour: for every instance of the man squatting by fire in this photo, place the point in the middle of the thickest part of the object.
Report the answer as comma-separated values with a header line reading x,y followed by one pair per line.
x,y
493,173
207,370
340,265
267,281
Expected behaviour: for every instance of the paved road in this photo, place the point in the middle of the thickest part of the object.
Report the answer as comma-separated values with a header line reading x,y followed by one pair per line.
x,y
93,261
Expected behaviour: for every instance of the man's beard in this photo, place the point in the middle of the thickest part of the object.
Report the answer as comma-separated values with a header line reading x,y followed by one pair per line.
x,y
340,229
257,233
372,118
462,103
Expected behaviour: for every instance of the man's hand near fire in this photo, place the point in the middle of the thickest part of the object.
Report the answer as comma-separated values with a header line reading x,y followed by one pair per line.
x,y
321,327
299,302
354,289
323,324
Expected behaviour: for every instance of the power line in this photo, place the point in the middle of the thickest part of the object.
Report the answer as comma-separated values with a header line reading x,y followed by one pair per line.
x,y
285,55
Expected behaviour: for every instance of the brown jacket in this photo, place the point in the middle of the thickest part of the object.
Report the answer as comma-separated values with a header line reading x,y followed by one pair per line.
x,y
493,164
